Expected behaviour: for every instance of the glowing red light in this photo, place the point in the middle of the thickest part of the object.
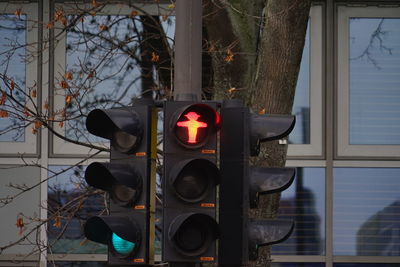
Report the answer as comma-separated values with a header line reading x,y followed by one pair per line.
x,y
192,124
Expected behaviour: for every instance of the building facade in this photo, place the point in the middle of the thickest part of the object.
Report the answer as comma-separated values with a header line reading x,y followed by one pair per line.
x,y
346,143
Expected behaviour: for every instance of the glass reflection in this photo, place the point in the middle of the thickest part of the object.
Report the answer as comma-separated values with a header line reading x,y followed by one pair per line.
x,y
12,67
374,81
366,211
304,202
109,64
301,105
70,204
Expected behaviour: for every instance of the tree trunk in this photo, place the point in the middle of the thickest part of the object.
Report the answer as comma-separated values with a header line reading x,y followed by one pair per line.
x,y
264,69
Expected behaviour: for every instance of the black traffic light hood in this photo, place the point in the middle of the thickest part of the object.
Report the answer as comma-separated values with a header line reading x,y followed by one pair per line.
x,y
268,127
269,181
104,122
100,228
104,175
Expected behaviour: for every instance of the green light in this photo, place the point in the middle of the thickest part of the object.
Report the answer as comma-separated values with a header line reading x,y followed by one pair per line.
x,y
122,246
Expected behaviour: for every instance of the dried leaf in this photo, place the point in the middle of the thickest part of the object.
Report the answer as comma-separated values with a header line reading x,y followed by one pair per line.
x,y
93,13
61,124
57,222
64,84
68,99
18,12
3,113
103,27
58,15
94,3
68,75
155,57
46,105
134,13
92,74
64,22
211,48
12,85
231,90
229,56
26,112
38,124
262,112
34,93
34,131
50,25
20,222
3,97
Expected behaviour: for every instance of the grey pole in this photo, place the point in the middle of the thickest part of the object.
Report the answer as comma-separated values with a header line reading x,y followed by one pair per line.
x,y
187,64
188,41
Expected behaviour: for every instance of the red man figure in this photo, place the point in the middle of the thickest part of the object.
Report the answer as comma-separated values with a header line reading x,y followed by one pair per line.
x,y
193,125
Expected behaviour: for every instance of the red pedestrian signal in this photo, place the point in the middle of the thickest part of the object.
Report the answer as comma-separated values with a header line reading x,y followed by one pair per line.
x,y
193,124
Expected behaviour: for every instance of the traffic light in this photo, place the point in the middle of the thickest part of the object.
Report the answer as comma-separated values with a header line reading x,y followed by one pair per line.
x,y
240,185
189,181
129,180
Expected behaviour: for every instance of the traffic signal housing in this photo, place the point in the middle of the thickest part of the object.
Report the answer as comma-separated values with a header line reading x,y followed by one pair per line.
x,y
189,181
241,184
129,180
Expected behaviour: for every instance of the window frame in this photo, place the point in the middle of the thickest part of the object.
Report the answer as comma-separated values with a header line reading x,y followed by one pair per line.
x,y
316,147
58,146
31,144
343,149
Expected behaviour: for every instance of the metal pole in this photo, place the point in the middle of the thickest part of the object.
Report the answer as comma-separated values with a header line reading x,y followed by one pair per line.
x,y
188,41
187,64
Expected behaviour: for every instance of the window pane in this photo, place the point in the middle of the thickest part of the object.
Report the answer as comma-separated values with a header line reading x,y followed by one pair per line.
x,y
108,66
301,105
304,202
25,207
12,70
69,208
366,211
374,66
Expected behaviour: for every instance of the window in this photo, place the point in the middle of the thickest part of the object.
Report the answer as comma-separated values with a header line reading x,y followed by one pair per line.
x,y
103,68
366,211
306,139
23,209
368,82
69,208
304,202
18,78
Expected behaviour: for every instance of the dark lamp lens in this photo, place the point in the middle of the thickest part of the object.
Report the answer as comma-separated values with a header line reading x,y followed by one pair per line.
x,y
191,187
123,141
123,193
191,236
